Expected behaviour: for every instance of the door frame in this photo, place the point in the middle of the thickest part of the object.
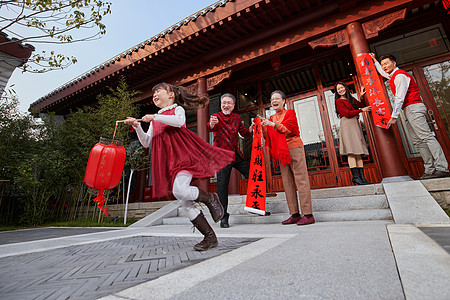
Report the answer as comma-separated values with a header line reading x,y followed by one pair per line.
x,y
428,99
341,176
330,175
334,176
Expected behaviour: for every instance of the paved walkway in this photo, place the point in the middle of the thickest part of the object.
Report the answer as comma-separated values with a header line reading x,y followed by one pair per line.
x,y
441,235
355,260
35,234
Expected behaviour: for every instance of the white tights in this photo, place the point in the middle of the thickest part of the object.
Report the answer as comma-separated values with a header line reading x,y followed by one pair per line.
x,y
183,191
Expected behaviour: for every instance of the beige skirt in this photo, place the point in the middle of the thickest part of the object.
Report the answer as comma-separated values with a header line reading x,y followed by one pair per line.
x,y
351,139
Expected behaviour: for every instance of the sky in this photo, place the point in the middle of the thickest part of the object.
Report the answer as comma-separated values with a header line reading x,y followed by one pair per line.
x,y
131,22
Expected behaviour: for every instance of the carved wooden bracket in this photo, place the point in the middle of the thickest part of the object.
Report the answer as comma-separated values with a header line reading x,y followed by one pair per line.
x,y
372,28
339,38
212,82
193,88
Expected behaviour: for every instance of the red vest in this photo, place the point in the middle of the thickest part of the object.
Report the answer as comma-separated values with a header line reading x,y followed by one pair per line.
x,y
413,93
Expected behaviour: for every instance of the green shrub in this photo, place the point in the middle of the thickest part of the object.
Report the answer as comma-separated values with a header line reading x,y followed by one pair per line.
x,y
44,162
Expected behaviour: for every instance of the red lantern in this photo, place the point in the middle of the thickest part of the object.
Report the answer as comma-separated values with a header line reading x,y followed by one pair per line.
x,y
275,62
104,168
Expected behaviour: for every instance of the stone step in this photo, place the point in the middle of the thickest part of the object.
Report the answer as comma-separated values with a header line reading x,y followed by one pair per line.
x,y
350,203
437,184
320,216
347,191
279,205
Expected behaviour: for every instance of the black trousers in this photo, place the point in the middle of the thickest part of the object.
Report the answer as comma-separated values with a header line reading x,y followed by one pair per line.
x,y
223,177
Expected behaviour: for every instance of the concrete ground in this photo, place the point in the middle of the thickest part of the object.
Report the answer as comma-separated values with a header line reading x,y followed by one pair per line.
x,y
34,234
406,258
329,260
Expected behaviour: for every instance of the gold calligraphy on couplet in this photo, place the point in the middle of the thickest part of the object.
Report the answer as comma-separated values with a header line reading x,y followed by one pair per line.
x,y
380,108
256,189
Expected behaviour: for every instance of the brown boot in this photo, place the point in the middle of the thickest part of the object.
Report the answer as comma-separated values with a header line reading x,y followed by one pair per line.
x,y
211,200
210,239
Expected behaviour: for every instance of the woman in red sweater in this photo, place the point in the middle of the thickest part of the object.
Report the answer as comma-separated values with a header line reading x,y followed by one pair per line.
x,y
351,139
286,149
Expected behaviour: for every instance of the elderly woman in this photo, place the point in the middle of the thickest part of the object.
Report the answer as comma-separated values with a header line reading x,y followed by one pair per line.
x,y
286,149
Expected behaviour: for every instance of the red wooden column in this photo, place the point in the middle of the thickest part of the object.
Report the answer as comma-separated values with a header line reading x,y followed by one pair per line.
x,y
202,120
389,158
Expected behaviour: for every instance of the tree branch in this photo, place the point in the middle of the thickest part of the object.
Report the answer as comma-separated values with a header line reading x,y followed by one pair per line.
x,y
51,23
70,4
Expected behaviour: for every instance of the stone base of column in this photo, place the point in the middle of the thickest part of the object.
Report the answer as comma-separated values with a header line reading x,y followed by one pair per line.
x,y
396,179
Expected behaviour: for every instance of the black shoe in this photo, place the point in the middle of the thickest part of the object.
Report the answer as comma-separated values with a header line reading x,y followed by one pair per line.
x,y
224,222
440,174
426,176
356,179
361,175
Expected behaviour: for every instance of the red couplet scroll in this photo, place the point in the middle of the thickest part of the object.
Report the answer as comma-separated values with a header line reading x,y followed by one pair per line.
x,y
374,90
256,189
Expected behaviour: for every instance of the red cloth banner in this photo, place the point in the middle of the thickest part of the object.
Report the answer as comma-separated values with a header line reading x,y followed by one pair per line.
x,y
446,4
256,189
374,90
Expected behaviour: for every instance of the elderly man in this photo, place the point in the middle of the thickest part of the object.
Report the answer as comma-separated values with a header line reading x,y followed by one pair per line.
x,y
407,97
226,125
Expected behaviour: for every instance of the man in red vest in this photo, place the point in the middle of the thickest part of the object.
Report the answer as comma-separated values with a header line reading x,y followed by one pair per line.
x,y
407,97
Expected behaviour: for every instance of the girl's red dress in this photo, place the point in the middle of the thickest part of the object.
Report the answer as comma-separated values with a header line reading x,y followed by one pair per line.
x,y
179,149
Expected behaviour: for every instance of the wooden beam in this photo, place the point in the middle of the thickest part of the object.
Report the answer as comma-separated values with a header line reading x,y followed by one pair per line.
x,y
275,12
238,28
284,8
296,6
249,27
254,18
210,18
270,41
266,20
306,4
227,28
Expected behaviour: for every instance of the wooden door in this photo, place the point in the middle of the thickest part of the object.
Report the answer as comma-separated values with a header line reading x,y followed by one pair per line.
x,y
433,78
314,127
434,81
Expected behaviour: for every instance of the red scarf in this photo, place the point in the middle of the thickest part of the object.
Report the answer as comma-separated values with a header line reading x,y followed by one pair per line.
x,y
276,140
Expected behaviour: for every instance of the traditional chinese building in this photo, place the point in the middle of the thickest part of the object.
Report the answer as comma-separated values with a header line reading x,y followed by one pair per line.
x,y
302,47
13,54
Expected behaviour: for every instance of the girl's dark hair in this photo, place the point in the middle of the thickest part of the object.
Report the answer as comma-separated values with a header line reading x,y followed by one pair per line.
x,y
347,96
183,96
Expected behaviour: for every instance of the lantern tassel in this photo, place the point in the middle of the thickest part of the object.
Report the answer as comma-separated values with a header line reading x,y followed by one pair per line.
x,y
101,200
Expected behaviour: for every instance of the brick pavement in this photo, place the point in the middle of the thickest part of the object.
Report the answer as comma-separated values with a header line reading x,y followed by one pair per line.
x,y
98,269
35,234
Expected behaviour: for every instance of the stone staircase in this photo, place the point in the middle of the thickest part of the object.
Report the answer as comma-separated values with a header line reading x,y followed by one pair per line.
x,y
354,203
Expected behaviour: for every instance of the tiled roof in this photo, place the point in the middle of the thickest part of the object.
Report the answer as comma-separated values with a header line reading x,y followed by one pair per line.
x,y
14,48
129,51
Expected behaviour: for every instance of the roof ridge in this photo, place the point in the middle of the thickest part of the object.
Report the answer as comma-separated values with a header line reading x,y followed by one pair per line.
x,y
130,50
